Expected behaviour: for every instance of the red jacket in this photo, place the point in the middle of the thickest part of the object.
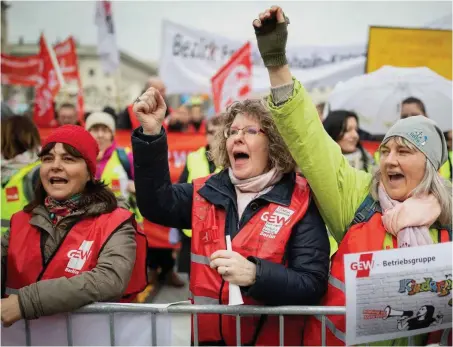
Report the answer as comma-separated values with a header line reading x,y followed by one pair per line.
x,y
265,236
77,253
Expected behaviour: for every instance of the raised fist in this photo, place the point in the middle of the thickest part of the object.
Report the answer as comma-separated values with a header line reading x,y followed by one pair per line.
x,y
267,20
150,110
271,34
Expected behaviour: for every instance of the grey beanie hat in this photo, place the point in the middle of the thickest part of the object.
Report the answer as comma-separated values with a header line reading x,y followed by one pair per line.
x,y
424,134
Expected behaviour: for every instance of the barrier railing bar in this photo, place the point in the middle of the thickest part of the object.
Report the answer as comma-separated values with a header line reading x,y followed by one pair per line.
x,y
218,309
195,329
69,329
281,327
153,329
238,330
323,330
112,329
27,333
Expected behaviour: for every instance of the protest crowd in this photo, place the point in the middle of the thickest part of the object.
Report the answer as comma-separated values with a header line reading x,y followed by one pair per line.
x,y
273,199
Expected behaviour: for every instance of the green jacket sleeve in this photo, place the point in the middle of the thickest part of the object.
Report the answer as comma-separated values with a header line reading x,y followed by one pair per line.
x,y
338,188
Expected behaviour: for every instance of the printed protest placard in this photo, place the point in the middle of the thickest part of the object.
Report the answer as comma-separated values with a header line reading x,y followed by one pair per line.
x,y
398,293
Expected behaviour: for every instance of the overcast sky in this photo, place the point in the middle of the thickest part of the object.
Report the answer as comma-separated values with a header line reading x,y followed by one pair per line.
x,y
138,24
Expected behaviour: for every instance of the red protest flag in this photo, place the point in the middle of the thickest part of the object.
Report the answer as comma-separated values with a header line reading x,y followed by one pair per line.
x,y
67,59
22,71
47,89
234,79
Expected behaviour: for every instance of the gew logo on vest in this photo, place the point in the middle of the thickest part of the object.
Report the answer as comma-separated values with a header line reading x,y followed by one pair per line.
x,y
275,221
78,257
364,265
12,194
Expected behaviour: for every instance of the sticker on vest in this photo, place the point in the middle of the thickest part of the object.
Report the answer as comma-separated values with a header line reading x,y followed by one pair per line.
x,y
275,221
12,194
78,257
116,186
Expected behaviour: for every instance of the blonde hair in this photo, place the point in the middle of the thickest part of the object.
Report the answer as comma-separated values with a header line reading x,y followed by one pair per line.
x,y
279,155
432,183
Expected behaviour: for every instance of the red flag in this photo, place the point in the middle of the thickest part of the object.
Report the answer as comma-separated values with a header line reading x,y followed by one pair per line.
x,y
23,71
67,59
48,87
234,79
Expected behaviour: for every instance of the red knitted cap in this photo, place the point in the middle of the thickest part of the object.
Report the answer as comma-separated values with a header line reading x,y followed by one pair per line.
x,y
77,137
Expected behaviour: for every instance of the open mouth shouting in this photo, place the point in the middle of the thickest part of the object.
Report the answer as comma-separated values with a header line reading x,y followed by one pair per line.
x,y
240,158
395,177
57,181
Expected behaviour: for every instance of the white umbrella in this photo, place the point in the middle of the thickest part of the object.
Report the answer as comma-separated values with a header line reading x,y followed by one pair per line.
x,y
376,97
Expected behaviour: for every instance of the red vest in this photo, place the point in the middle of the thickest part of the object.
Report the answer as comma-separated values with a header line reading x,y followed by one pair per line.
x,y
78,251
265,236
158,236
362,237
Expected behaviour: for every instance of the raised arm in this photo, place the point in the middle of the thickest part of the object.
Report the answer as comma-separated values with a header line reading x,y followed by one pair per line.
x,y
159,201
338,188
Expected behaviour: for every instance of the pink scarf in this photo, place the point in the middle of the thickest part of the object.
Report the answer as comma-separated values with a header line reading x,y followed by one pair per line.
x,y
409,221
251,188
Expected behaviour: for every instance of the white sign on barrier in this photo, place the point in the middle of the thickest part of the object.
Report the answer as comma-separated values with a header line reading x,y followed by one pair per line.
x,y
398,293
93,329
190,57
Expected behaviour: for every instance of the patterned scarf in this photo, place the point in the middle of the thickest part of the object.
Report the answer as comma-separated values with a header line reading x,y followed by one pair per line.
x,y
59,209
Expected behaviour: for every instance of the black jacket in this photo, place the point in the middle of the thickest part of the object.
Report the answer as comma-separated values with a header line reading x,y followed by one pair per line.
x,y
304,282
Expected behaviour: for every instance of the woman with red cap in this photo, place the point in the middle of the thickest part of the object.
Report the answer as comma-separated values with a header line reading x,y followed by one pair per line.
x,y
73,244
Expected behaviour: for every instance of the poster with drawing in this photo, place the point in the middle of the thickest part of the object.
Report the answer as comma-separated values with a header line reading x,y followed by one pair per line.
x,y
398,293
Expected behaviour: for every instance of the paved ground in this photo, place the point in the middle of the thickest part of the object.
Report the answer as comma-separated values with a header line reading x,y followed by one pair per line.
x,y
180,323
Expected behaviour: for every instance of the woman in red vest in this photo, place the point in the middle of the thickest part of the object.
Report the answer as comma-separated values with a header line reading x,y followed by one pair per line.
x,y
405,204
279,252
73,244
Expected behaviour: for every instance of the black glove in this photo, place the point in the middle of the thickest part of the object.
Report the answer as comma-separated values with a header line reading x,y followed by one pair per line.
x,y
272,37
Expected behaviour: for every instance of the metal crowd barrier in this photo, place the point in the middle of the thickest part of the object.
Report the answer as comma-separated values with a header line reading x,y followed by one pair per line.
x,y
184,308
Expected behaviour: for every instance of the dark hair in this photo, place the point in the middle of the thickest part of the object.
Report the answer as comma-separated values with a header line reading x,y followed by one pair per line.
x,y
19,134
67,105
110,111
95,190
215,121
335,125
418,102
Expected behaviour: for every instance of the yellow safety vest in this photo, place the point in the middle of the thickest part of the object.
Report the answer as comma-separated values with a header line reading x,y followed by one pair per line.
x,y
377,157
197,166
116,178
13,195
333,245
445,170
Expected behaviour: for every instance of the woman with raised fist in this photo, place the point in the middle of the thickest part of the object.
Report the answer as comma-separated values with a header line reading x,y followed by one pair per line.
x,y
405,204
279,253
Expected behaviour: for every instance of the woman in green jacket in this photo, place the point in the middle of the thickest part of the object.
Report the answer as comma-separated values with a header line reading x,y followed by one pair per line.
x,y
407,178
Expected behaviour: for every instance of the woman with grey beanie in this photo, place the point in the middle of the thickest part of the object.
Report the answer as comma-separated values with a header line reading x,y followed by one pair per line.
x,y
404,204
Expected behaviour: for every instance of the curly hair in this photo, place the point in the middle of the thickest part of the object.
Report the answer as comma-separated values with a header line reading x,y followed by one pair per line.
x,y
279,155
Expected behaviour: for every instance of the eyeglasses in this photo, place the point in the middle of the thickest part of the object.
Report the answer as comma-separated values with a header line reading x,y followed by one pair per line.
x,y
246,131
